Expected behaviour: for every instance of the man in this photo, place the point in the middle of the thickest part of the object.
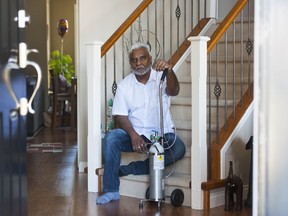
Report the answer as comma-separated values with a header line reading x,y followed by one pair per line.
x,y
136,109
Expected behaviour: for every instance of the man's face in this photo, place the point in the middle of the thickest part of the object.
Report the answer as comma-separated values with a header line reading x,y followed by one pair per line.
x,y
140,61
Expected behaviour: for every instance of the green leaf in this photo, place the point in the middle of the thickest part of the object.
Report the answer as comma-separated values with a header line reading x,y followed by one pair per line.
x,y
61,64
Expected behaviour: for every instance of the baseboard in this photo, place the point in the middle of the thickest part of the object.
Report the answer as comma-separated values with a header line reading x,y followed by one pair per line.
x,y
217,196
82,165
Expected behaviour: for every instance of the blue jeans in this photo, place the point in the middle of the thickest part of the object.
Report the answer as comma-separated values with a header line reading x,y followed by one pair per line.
x,y
117,141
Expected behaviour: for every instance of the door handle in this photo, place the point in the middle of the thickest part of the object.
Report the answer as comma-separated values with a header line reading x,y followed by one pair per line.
x,y
23,104
39,77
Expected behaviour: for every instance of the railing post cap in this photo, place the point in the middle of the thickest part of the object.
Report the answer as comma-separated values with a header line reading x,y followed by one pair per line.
x,y
199,38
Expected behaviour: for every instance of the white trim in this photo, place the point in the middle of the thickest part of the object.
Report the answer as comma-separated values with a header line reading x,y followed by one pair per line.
x,y
212,8
232,137
199,134
82,165
217,196
94,137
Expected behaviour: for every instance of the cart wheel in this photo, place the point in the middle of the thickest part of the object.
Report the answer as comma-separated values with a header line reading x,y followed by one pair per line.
x,y
177,197
147,194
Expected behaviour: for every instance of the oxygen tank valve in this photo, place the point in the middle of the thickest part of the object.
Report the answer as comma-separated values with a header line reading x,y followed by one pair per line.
x,y
154,137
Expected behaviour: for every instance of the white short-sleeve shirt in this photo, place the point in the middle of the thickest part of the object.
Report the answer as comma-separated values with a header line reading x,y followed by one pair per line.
x,y
140,102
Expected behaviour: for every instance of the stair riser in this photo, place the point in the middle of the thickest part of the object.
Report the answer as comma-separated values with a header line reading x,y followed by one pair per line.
x,y
127,188
185,136
227,94
222,68
230,67
245,28
183,113
227,49
185,89
182,166
127,158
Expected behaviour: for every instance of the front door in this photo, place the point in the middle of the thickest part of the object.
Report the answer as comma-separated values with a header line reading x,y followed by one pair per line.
x,y
13,108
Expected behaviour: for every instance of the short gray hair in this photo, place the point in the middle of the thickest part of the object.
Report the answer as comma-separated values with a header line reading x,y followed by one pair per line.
x,y
138,45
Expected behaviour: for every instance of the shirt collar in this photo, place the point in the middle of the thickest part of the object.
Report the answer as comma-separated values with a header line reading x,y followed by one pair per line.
x,y
152,77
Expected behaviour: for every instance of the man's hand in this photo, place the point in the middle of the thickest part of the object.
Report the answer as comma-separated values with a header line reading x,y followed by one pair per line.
x,y
173,86
161,65
138,143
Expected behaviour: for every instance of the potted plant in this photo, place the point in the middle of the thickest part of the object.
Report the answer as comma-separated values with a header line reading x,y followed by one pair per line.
x,y
61,65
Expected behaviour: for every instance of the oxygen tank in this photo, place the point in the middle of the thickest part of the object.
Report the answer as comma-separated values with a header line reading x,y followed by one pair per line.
x,y
156,169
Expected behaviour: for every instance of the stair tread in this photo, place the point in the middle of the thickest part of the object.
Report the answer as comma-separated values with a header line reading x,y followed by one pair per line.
x,y
237,20
176,179
128,157
230,59
182,124
186,125
221,79
186,101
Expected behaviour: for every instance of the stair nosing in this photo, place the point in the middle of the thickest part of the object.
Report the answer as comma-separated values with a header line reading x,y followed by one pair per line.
x,y
171,179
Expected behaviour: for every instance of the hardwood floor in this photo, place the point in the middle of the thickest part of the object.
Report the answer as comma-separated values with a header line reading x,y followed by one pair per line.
x,y
55,187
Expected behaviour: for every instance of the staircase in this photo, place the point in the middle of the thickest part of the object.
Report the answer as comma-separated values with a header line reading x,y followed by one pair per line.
x,y
181,105
181,111
237,83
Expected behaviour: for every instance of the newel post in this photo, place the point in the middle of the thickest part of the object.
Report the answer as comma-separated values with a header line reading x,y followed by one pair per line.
x,y
94,112
199,132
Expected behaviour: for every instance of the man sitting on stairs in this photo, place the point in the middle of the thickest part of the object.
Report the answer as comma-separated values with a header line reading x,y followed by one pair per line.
x,y
137,112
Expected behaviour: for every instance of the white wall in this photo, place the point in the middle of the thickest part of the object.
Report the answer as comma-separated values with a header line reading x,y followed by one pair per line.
x,y
237,148
271,146
97,20
224,7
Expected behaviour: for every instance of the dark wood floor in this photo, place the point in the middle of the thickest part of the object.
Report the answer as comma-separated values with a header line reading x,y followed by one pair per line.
x,y
56,188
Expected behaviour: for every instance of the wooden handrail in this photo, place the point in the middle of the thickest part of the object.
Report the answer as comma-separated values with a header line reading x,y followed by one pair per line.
x,y
125,25
207,186
213,184
222,28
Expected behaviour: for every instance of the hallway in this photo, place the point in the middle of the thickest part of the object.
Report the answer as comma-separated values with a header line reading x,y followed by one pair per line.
x,y
55,187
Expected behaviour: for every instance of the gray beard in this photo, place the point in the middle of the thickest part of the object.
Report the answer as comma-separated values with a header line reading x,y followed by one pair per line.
x,y
142,72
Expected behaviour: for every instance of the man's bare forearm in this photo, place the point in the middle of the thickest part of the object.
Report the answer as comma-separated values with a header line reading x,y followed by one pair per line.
x,y
136,140
124,123
173,87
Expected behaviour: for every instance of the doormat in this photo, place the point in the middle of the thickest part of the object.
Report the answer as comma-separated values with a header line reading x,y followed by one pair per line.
x,y
45,148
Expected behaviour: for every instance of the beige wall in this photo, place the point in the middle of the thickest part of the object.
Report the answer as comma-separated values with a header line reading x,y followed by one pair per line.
x,y
38,30
58,10
36,38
